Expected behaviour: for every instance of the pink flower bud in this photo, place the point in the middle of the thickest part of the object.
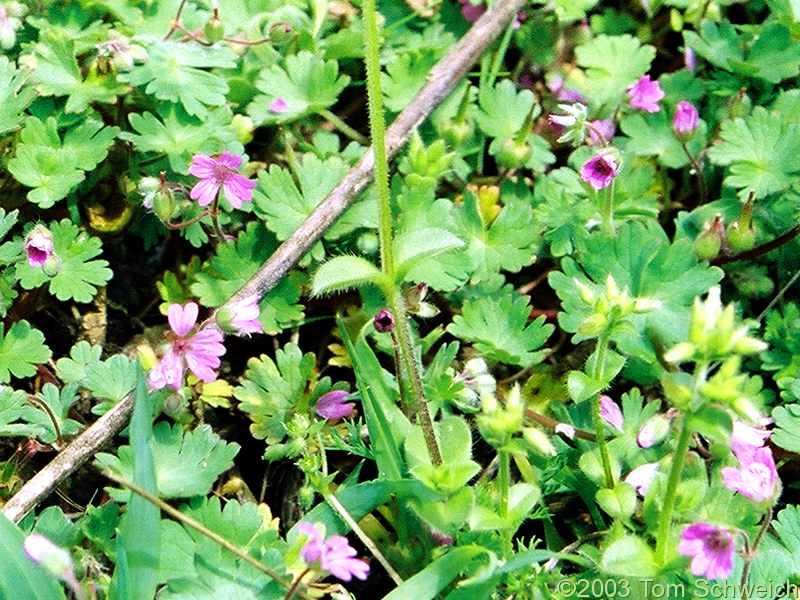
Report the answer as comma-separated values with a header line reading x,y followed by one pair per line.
x,y
685,121
39,246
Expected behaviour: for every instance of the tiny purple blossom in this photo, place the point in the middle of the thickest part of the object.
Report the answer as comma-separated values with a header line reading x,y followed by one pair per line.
x,y
610,412
601,127
757,478
685,119
471,12
653,431
199,351
214,173
332,405
711,549
384,321
641,477
334,555
279,105
245,315
645,94
689,59
600,170
39,246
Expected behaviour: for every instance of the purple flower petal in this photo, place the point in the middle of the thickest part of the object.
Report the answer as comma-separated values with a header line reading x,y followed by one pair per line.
x,y
202,166
332,405
182,318
686,117
645,94
204,191
168,372
39,246
279,105
711,549
599,171
610,412
231,161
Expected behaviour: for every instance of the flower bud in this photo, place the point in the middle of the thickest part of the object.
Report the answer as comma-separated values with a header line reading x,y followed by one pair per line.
x,y
539,441
514,154
39,246
243,127
684,123
456,133
214,30
708,244
653,432
56,561
740,240
280,33
384,321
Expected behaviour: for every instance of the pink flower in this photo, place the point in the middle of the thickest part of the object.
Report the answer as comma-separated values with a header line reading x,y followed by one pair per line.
x,y
335,555
610,412
384,321
245,314
604,127
471,12
685,120
39,246
279,105
641,477
600,170
645,94
333,406
757,477
199,351
689,59
711,549
214,173
746,439
653,431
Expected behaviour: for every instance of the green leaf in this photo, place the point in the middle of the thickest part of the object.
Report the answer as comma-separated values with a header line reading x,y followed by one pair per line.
x,y
404,77
110,379
619,503
52,167
652,135
77,276
58,402
235,262
272,390
14,96
455,443
498,325
629,556
607,73
342,273
19,577
787,427
418,245
175,72
717,43
187,463
308,83
503,110
16,414
57,74
180,136
759,152
21,349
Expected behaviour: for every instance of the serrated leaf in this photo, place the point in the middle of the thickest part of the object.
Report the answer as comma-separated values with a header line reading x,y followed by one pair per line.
x,y
57,74
652,135
59,402
235,262
404,77
787,427
608,75
187,463
180,136
77,276
342,273
21,349
759,151
503,109
415,246
175,72
308,83
717,43
271,389
16,414
52,167
498,325
14,96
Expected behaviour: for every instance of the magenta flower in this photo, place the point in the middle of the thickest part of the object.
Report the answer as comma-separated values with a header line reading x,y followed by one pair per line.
x,y
684,122
39,246
600,170
757,477
746,439
332,405
598,128
214,173
200,351
335,555
244,315
641,477
711,549
384,321
610,412
279,105
645,94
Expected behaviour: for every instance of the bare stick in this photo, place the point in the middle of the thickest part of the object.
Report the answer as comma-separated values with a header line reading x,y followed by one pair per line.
x,y
73,456
441,82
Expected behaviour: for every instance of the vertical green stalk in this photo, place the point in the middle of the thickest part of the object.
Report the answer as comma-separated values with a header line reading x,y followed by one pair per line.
x,y
672,490
504,479
597,420
608,210
393,296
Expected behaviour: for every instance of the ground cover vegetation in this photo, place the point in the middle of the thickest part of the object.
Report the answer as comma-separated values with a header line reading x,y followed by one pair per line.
x,y
422,299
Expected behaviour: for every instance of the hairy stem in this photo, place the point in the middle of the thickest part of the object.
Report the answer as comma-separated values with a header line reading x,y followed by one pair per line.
x,y
597,420
672,490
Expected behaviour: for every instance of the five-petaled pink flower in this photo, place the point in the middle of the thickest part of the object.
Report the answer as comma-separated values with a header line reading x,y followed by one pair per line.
x,y
757,477
221,171
600,170
332,405
334,555
645,94
245,314
684,123
610,412
711,549
39,246
200,351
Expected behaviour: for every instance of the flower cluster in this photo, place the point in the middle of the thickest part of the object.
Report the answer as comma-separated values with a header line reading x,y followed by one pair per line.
x,y
334,555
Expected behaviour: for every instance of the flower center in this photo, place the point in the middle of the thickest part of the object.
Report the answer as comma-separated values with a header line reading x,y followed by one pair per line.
x,y
718,541
222,173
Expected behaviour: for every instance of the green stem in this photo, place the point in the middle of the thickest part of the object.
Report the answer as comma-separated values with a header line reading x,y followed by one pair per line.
x,y
608,210
377,128
504,477
749,559
497,59
672,490
597,420
339,123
